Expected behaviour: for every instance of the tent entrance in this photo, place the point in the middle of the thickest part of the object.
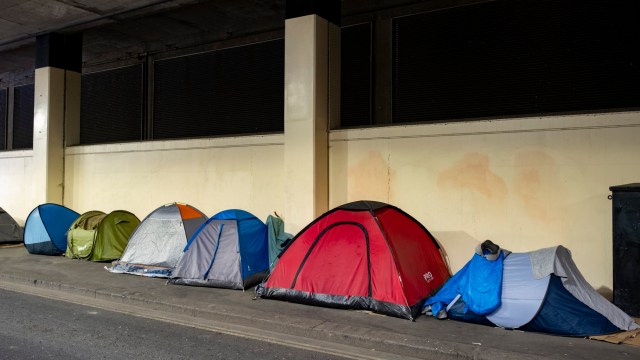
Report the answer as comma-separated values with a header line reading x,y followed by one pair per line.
x,y
327,256
80,243
82,235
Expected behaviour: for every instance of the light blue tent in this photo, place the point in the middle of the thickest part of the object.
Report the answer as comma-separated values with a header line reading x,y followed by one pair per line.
x,y
541,291
230,250
45,231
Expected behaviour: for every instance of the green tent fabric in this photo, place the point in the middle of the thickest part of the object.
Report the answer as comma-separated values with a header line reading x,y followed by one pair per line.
x,y
81,235
278,239
97,236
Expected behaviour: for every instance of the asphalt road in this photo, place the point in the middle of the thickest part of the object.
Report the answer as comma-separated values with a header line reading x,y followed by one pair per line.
x,y
33,327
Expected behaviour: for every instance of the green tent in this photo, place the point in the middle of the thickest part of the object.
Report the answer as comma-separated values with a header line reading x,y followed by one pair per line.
x,y
97,236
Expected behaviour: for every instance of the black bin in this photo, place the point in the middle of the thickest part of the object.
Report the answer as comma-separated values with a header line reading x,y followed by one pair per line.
x,y
626,247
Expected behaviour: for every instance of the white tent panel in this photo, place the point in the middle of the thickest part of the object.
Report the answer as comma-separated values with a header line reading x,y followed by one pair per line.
x,y
522,294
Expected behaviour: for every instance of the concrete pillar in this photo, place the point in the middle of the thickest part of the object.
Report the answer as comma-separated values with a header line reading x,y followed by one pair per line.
x,y
312,47
56,107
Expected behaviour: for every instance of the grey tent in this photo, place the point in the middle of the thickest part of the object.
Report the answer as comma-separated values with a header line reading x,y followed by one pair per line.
x,y
157,243
10,231
228,251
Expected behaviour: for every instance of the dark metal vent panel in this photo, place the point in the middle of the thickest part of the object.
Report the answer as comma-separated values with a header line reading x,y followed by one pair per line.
x,y
231,91
505,58
111,106
356,75
3,119
23,117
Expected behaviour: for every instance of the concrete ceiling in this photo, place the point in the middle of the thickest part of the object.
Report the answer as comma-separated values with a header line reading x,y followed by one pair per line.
x,y
22,20
115,27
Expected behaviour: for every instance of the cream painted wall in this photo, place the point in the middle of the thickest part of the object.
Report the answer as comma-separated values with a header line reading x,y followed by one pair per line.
x,y
16,184
523,183
210,174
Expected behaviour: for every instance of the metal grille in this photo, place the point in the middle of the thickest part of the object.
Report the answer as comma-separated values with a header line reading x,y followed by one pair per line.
x,y
505,58
231,91
355,73
3,119
111,106
23,117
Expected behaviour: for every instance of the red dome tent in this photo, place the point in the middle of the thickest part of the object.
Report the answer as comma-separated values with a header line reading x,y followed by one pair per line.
x,y
362,255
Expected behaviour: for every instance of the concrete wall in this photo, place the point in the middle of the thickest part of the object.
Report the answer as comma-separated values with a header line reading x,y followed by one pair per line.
x,y
210,174
523,183
17,183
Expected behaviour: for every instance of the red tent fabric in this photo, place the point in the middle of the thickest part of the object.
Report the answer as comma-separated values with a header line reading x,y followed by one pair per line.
x,y
362,255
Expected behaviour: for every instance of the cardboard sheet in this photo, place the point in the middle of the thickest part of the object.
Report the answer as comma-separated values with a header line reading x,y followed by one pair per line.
x,y
623,337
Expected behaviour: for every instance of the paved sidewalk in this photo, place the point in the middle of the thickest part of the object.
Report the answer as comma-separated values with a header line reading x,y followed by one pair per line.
x,y
238,312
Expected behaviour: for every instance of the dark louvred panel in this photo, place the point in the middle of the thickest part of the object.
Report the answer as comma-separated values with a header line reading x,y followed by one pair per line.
x,y
23,117
505,58
3,119
111,106
231,91
356,79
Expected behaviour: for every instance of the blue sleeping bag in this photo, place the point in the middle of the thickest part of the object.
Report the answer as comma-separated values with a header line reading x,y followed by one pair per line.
x,y
479,284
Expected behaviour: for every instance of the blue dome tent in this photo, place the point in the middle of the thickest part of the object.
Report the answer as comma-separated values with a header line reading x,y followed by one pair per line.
x,y
230,250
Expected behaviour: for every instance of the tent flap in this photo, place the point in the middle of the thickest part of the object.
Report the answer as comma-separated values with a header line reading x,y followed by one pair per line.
x,y
80,243
522,294
557,260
